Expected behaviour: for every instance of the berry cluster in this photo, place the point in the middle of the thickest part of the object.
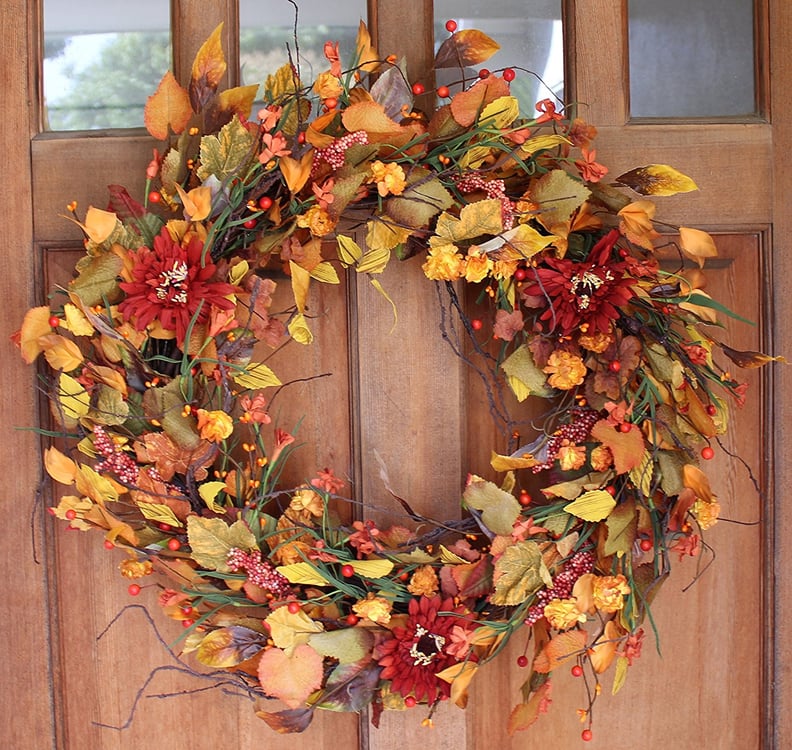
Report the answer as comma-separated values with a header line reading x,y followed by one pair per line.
x,y
335,153
579,564
116,462
260,572
574,433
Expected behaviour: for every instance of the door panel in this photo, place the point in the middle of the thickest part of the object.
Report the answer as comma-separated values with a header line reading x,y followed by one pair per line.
x,y
401,394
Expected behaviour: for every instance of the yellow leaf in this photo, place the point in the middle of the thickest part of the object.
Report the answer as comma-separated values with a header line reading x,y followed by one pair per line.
x,y
34,325
301,281
519,573
593,505
256,375
168,106
620,677
559,195
509,463
291,677
376,568
378,286
460,676
349,252
519,243
209,64
197,203
603,652
325,273
368,116
641,475
211,539
76,322
111,378
480,218
695,479
238,272
542,142
72,397
374,261
500,113
209,492
238,100
59,466
383,234
366,57
296,172
299,330
697,245
159,513
303,573
524,377
95,486
61,353
657,179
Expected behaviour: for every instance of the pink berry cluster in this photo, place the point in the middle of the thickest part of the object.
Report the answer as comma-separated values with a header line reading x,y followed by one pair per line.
x,y
334,154
260,572
574,433
579,564
116,461
492,189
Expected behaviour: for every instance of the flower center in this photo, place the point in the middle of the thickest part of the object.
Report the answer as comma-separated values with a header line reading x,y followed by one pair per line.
x,y
585,285
173,283
426,646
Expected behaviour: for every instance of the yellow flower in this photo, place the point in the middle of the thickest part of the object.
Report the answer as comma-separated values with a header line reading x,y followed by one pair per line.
x,y
327,85
317,220
444,263
706,513
424,582
389,177
563,614
373,608
477,266
306,501
132,568
214,426
566,370
571,457
609,592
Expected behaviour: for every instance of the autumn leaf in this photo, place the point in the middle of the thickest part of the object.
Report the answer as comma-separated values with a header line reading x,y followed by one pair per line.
x,y
223,154
696,480
93,485
374,261
97,282
59,466
292,678
73,399
384,234
211,539
637,225
524,377
237,100
299,330
697,245
349,252
466,106
348,645
392,91
207,70
620,677
525,715
500,113
749,359
518,460
657,179
167,108
256,375
302,573
499,509
519,573
594,505
291,629
459,676
35,325
61,353
465,48
289,721
476,219
621,523
209,492
296,171
166,406
423,198
159,513
227,647
558,196
627,447
366,57
603,652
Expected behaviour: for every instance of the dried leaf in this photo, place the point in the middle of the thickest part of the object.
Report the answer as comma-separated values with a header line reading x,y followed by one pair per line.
x,y
627,447
558,195
657,179
483,217
255,376
35,324
500,113
697,245
460,676
513,462
594,505
603,652
299,330
349,252
237,101
166,406
392,91
208,68
167,108
211,539
61,353
292,678
325,273
519,573
348,645
159,513
366,57
209,492
98,279
560,649
622,524
223,155
499,509
288,722
227,647
423,198
296,171
291,629
465,48
524,377
73,399
374,261
620,677
525,715
467,105
303,573
749,359
59,466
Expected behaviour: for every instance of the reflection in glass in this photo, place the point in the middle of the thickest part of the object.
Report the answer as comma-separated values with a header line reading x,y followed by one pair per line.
x,y
267,37
691,59
101,61
530,36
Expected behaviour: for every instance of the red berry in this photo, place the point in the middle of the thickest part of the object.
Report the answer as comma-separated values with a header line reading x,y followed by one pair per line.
x,y
54,321
522,661
451,26
577,671
418,89
174,544
187,623
249,224
134,589
294,607
404,576
409,701
187,609
331,102
712,410
484,73
443,92
646,544
525,498
476,324
615,366
154,196
265,203
586,735
625,427
520,274
352,619
70,514
509,74
347,571
707,452
611,490
108,544
164,526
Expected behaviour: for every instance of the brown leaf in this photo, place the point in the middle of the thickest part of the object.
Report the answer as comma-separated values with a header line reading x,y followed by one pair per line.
x,y
169,459
467,105
657,179
627,447
207,70
465,48
526,714
168,106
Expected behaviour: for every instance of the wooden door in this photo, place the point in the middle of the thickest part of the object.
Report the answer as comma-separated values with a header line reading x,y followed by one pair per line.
x,y
723,681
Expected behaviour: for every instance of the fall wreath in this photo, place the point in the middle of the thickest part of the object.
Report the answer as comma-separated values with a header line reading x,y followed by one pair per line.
x,y
165,441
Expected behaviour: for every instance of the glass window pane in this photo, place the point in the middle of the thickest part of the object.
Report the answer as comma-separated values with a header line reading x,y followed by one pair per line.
x,y
102,61
267,29
530,36
691,59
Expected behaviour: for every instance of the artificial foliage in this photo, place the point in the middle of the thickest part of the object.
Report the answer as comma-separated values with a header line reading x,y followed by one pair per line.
x,y
159,391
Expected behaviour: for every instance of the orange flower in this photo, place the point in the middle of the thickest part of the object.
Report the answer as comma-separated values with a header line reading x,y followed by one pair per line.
x,y
571,457
609,592
214,426
477,266
563,614
389,177
273,146
589,169
566,370
444,263
424,582
373,608
317,220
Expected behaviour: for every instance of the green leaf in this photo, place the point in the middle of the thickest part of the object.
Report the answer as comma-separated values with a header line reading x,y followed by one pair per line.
x,y
159,513
348,645
109,408
223,154
559,195
621,524
256,375
499,509
211,539
166,405
519,573
524,377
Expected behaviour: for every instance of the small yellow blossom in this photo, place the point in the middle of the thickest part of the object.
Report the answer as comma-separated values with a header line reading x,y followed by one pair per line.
x,y
706,513
566,370
132,568
477,266
609,592
327,85
424,582
214,426
389,177
563,614
374,608
444,263
317,220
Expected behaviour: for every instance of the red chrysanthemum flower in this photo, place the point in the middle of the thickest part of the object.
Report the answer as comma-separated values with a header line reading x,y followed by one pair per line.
x,y
585,295
418,651
172,285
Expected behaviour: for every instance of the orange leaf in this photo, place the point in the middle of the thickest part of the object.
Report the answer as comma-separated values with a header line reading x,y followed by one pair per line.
x,y
61,353
466,47
170,106
695,479
291,678
207,70
636,223
368,116
561,649
467,105
603,652
627,447
34,326
59,466
296,173
525,714
238,100
367,58
697,245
